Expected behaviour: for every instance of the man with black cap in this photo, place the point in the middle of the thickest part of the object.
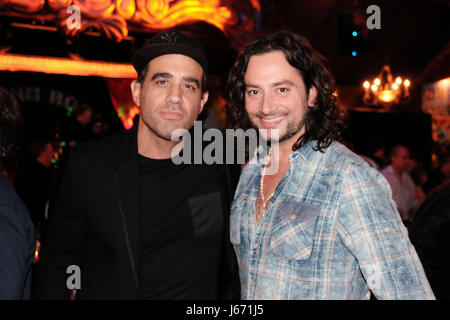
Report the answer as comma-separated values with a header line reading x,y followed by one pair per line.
x,y
135,224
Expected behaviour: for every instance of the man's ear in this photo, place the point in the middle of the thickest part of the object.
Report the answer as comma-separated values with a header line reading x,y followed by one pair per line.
x,y
136,92
203,101
312,96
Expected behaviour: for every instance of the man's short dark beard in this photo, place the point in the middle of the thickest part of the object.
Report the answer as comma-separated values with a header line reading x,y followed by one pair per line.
x,y
156,132
294,131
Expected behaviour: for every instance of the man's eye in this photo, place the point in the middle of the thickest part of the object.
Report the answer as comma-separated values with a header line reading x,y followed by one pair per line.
x,y
188,86
283,90
253,92
163,82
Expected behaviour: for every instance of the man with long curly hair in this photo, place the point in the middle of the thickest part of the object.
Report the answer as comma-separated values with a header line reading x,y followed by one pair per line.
x,y
324,225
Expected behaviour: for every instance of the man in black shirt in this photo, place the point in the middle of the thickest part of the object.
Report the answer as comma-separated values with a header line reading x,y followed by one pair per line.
x,y
35,179
137,225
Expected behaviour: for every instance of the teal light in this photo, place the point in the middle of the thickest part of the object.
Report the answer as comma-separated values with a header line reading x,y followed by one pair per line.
x,y
53,161
354,53
354,33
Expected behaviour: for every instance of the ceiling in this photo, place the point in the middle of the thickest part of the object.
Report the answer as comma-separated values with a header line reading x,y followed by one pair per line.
x,y
413,33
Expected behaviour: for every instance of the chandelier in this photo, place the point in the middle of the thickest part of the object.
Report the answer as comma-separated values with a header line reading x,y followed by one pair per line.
x,y
386,91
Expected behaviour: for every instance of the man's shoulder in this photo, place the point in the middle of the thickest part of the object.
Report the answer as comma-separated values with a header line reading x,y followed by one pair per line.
x,y
351,167
339,153
104,146
91,156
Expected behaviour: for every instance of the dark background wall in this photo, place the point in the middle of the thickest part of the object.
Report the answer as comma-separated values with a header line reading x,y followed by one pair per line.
x,y
388,128
46,98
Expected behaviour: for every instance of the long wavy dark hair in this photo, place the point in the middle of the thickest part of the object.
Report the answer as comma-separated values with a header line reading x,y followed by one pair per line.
x,y
325,121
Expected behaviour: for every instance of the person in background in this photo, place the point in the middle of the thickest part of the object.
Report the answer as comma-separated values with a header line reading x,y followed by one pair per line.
x,y
429,233
97,127
375,151
78,128
440,173
17,237
404,192
35,180
420,177
378,155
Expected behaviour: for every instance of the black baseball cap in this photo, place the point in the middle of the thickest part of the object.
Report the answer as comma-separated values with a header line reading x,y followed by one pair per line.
x,y
169,42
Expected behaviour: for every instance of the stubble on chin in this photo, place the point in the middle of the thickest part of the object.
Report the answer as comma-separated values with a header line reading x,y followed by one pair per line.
x,y
290,131
159,132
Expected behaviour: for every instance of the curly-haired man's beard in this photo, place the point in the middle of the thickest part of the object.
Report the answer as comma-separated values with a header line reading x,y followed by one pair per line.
x,y
291,130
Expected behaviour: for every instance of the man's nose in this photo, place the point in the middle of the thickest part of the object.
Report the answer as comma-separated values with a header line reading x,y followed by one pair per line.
x,y
174,94
267,104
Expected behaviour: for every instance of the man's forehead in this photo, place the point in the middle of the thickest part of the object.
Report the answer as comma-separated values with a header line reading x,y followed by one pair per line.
x,y
272,83
270,67
174,60
275,58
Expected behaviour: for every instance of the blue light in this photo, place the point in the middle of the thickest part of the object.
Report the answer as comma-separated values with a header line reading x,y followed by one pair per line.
x,y
354,33
354,53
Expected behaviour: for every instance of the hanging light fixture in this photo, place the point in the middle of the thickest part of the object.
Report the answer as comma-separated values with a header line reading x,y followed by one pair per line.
x,y
386,91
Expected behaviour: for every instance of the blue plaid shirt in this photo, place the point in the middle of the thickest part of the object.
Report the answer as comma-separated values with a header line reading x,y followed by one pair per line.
x,y
331,231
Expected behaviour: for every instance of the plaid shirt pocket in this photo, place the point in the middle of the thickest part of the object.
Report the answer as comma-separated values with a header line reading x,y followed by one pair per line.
x,y
293,232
